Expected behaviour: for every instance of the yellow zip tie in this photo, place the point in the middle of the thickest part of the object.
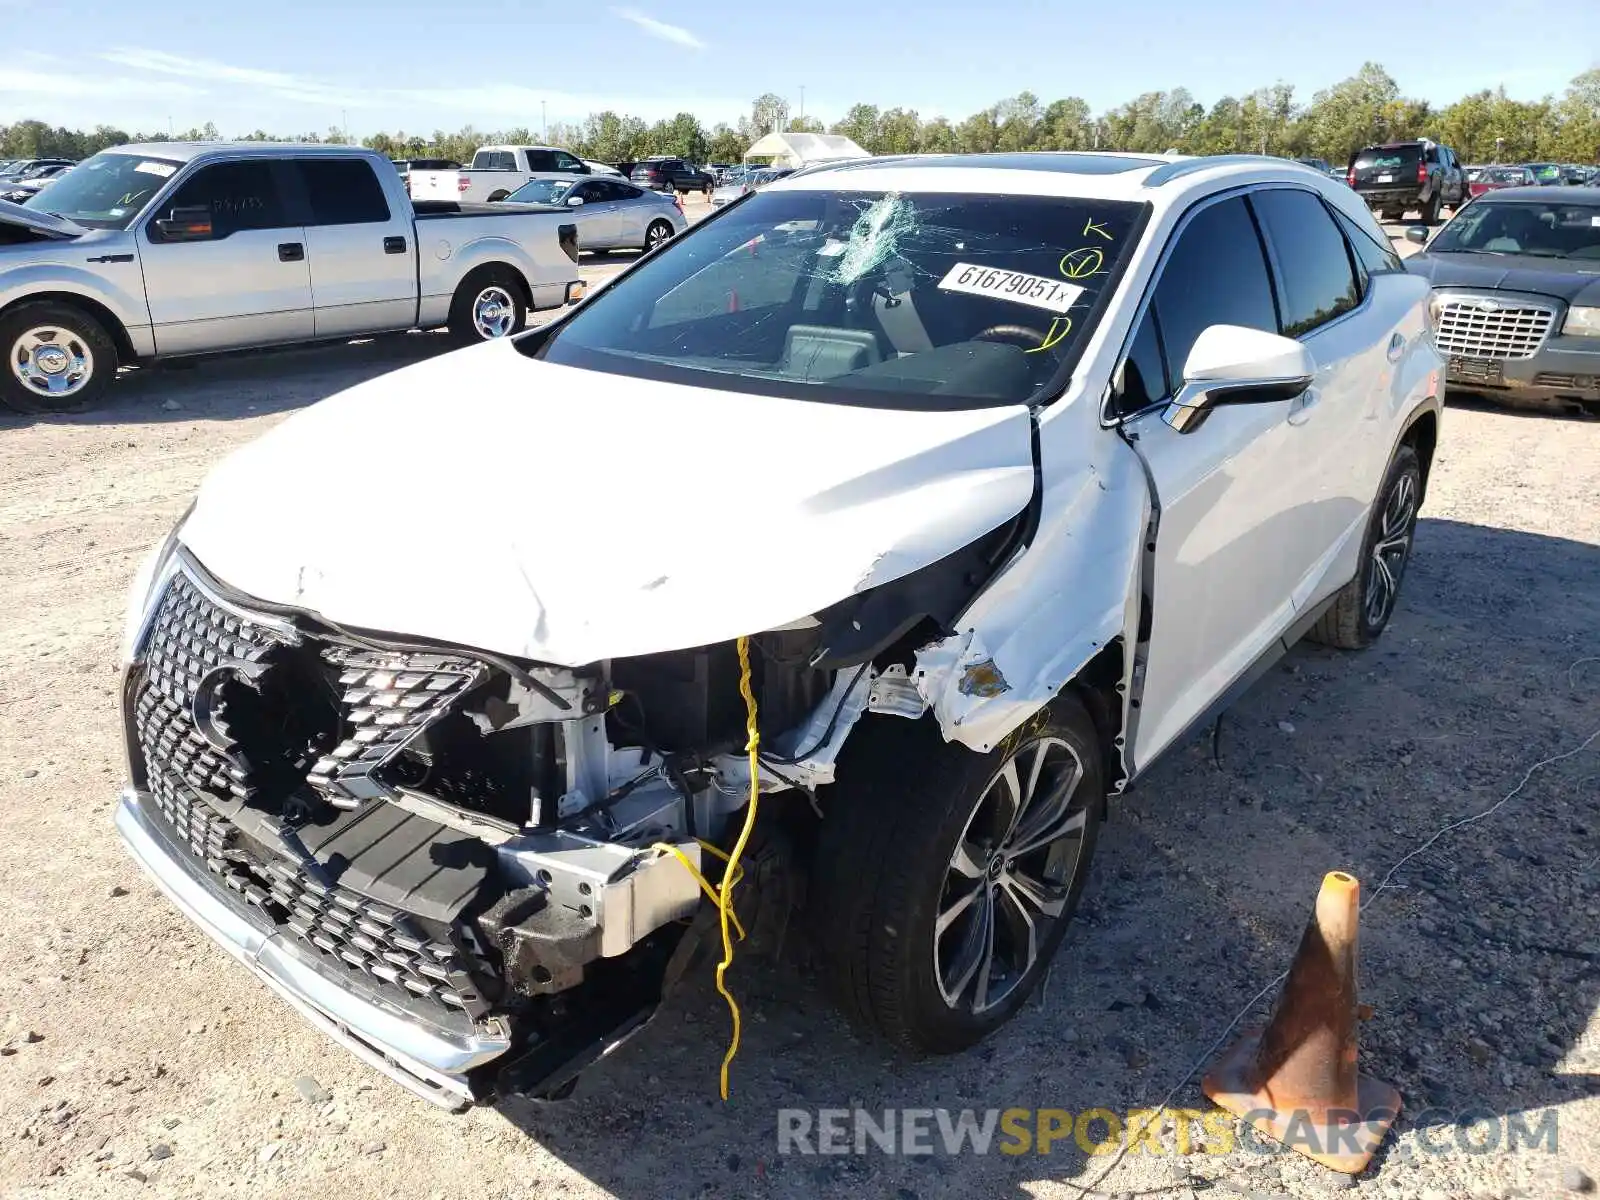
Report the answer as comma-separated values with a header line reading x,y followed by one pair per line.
x,y
724,908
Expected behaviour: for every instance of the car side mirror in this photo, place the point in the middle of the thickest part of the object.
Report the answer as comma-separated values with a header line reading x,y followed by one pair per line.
x,y
574,201
191,224
1418,234
1231,364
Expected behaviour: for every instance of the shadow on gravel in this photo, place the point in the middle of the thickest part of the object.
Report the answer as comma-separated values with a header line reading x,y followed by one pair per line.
x,y
246,384
1494,403
1482,960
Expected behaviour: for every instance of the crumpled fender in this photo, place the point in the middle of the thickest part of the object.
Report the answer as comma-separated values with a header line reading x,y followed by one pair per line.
x,y
1053,608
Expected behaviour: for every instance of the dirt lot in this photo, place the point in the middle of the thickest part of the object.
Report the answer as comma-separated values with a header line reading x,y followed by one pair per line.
x,y
138,1059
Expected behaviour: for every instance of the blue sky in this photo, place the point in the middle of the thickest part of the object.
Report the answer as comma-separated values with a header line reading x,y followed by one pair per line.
x,y
301,65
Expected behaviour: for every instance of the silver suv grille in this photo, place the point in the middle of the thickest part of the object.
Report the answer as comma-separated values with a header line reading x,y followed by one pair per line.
x,y
1469,328
198,770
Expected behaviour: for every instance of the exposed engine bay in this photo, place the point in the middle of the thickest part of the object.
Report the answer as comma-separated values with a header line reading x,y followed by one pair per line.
x,y
495,848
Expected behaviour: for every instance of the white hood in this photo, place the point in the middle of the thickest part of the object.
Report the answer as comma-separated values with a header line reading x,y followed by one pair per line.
x,y
490,500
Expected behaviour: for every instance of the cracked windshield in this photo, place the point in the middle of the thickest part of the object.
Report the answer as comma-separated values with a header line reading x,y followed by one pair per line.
x,y
918,300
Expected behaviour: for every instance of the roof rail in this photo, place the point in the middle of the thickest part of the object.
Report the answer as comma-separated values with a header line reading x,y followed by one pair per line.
x,y
1189,166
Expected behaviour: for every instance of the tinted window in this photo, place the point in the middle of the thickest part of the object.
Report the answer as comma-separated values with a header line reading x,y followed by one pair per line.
x,y
1388,158
1216,275
1318,284
1374,257
565,162
1144,373
342,191
920,300
622,191
238,195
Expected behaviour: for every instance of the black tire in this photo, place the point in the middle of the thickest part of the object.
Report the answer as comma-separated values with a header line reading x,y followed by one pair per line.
x,y
464,326
654,231
1356,621
1430,210
884,863
669,189
81,337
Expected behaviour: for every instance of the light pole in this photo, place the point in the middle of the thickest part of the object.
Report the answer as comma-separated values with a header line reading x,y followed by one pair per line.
x,y
344,122
544,121
802,103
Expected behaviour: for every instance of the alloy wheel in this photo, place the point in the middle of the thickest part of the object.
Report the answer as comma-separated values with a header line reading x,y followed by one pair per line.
x,y
1010,876
1391,548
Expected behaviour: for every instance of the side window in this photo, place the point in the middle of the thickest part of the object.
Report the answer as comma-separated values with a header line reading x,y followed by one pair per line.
x,y
1318,282
1375,258
592,193
342,191
1216,275
565,162
1144,371
541,160
239,196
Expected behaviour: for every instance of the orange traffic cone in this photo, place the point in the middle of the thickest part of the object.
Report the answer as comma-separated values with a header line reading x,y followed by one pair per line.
x,y
1296,1081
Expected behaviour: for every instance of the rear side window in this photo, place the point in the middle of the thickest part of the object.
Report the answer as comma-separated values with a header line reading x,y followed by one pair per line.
x,y
240,196
342,191
1318,283
1216,275
494,160
1375,258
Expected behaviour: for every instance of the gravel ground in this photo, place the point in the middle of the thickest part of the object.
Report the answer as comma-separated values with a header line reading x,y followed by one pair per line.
x,y
136,1058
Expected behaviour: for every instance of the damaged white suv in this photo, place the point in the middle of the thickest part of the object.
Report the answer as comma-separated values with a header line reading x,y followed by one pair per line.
x,y
1010,470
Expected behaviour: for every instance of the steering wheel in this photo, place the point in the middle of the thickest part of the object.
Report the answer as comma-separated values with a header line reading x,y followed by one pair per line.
x,y
1025,335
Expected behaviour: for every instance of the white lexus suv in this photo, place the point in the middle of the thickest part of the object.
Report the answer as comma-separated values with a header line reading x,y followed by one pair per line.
x,y
973,483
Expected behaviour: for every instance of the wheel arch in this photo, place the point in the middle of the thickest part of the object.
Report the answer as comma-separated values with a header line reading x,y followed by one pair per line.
x,y
485,268
109,321
1421,433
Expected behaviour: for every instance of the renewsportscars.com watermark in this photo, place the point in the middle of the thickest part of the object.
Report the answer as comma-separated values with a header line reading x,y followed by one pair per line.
x,y
1095,1131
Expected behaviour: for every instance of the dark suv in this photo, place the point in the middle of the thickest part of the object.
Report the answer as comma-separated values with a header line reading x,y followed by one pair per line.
x,y
1400,177
671,175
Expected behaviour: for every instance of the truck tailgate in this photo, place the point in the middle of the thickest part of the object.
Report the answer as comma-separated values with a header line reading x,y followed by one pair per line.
x,y
436,185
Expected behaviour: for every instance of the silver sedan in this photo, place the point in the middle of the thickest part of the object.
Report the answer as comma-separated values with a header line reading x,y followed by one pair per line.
x,y
611,214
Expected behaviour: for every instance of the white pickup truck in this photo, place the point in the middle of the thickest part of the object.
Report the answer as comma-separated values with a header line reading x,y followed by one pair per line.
x,y
497,171
168,249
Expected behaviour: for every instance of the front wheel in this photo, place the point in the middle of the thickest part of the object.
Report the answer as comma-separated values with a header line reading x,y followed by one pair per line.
x,y
58,359
1362,608
488,305
945,879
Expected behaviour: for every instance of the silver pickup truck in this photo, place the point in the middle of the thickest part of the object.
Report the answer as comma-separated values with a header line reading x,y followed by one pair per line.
x,y
168,249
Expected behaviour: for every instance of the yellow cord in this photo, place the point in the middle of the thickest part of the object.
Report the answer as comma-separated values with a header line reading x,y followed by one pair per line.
x,y
730,875
705,886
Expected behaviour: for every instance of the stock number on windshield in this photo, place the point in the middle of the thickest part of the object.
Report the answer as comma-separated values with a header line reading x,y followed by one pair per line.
x,y
1040,291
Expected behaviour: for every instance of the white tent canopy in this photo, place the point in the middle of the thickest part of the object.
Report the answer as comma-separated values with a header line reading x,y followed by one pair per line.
x,y
802,149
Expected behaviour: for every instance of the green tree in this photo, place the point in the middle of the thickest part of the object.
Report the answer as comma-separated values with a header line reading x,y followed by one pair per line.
x,y
899,132
1065,125
806,125
860,125
1017,122
937,137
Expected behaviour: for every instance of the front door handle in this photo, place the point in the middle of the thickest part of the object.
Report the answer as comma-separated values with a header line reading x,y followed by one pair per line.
x,y
291,252
394,245
1397,347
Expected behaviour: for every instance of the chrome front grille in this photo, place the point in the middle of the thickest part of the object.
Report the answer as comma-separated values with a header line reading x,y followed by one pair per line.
x,y
1485,328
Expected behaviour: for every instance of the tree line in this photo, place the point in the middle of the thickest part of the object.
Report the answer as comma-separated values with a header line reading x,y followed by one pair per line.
x,y
1485,126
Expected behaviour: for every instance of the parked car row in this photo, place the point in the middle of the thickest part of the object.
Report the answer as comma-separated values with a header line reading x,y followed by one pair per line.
x,y
168,249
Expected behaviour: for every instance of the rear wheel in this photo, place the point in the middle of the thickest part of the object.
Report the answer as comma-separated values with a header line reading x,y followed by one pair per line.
x,y
658,232
488,305
1430,210
59,359
669,189
945,879
1362,609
